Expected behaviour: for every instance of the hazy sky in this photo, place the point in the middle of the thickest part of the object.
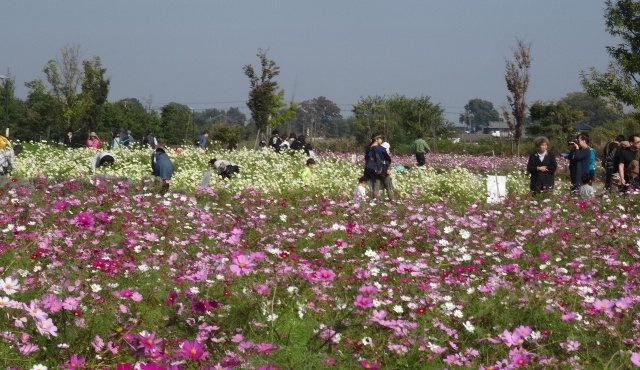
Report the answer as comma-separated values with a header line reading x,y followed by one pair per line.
x,y
192,52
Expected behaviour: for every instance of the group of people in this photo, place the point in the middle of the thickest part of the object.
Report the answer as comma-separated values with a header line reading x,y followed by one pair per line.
x,y
282,143
620,164
119,140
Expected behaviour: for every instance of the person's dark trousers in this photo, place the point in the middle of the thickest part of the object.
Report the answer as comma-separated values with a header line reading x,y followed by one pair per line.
x,y
420,159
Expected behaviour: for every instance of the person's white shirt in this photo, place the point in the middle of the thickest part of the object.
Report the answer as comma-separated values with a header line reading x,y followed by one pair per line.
x,y
360,194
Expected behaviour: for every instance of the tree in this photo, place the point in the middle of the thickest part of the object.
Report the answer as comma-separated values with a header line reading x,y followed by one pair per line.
x,y
553,120
175,122
596,111
266,100
621,82
417,116
478,113
314,116
370,116
517,78
64,77
95,89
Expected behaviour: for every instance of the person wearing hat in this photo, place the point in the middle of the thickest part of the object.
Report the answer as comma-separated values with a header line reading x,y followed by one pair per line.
x,y
7,159
93,142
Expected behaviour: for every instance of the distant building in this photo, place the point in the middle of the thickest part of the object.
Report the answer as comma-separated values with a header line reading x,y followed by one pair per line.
x,y
497,129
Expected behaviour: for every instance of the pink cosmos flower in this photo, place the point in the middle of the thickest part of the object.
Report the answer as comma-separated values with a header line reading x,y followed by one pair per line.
x,y
325,275
28,348
74,363
368,290
46,327
635,358
363,301
193,350
242,265
85,219
511,339
368,365
603,305
148,341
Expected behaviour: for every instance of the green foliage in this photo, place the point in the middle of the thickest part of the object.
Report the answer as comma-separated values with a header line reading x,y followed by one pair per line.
x,y
266,100
619,83
226,133
478,113
553,120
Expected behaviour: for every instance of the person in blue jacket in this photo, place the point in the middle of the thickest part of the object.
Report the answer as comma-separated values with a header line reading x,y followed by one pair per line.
x,y
579,159
162,167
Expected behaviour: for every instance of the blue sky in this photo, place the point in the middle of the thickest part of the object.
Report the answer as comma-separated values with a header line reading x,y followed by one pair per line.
x,y
192,52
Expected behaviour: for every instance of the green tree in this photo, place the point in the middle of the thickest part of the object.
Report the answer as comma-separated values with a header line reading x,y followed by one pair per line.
x,y
266,99
478,113
517,77
64,77
39,119
553,120
418,116
370,116
621,82
95,89
227,133
314,116
175,124
130,114
596,110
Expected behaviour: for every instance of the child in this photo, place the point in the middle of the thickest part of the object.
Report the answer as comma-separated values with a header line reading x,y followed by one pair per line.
x,y
360,194
586,190
306,173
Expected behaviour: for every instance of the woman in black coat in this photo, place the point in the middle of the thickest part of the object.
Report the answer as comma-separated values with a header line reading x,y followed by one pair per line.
x,y
542,166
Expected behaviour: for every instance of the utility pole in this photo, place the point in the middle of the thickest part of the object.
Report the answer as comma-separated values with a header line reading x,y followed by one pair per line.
x,y
6,102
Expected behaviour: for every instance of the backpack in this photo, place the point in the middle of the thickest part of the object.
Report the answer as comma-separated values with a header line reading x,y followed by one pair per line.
x,y
374,163
608,160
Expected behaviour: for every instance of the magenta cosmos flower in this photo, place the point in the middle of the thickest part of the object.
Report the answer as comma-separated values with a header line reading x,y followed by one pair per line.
x,y
242,265
85,219
192,350
363,301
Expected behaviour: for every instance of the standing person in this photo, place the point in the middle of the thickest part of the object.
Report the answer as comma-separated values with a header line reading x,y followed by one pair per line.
x,y
69,139
307,175
102,159
608,158
626,162
377,162
116,141
7,157
420,147
128,140
93,142
542,166
592,162
275,141
579,158
162,167
387,181
203,140
148,140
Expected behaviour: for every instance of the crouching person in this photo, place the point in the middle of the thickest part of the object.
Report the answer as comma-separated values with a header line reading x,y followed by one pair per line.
x,y
7,159
102,159
224,169
162,168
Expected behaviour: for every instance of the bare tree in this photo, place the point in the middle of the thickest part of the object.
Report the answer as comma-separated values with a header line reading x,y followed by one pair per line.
x,y
517,78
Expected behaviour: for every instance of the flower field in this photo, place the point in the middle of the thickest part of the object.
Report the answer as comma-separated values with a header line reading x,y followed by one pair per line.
x,y
99,271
